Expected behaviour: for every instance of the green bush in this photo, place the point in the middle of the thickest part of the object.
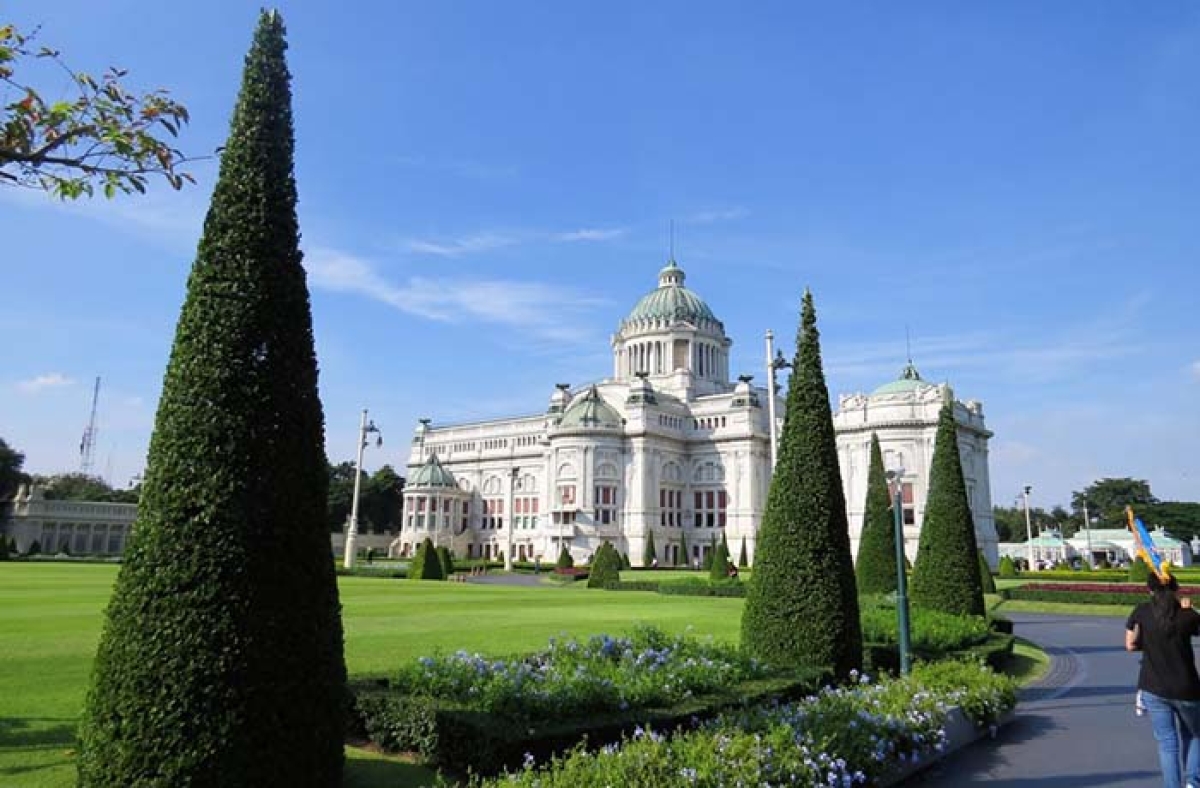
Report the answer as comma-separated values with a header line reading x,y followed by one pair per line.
x,y
742,560
565,561
426,564
985,574
605,568
3,548
1139,572
35,548
720,563
1008,569
929,630
683,559
625,561
446,561
706,562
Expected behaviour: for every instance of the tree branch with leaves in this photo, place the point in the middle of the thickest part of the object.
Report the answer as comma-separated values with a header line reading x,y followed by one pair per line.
x,y
106,136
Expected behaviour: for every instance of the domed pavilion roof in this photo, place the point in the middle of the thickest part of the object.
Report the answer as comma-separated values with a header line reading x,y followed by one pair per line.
x,y
671,301
432,474
590,412
909,380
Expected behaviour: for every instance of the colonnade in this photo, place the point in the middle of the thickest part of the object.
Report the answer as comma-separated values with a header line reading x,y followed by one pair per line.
x,y
709,360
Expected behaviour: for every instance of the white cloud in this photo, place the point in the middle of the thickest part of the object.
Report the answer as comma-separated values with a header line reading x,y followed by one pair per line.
x,y
48,381
488,241
455,247
544,310
591,234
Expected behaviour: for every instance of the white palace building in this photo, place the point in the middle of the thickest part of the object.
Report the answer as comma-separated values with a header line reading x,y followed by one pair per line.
x,y
668,446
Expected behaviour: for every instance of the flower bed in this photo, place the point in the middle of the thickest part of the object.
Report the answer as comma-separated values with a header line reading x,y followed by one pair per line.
x,y
603,673
854,735
1085,593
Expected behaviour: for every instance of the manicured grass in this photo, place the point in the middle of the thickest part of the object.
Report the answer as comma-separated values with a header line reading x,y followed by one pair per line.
x,y
51,615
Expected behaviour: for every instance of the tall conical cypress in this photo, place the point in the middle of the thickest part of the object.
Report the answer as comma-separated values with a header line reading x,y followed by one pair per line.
x,y
801,602
649,553
221,659
946,573
876,565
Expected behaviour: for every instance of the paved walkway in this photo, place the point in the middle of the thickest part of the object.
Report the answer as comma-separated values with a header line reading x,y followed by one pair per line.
x,y
1074,728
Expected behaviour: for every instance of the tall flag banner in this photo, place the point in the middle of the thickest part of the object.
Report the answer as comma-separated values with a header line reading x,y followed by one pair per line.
x,y
1145,546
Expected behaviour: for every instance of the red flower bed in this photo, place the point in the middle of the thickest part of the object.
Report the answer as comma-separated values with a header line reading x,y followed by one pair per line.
x,y
1104,588
573,571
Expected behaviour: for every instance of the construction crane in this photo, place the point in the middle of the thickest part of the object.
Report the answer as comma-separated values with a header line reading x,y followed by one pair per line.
x,y
87,446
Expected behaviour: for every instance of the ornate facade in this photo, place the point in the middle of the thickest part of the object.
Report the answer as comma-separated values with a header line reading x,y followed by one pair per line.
x,y
904,414
667,446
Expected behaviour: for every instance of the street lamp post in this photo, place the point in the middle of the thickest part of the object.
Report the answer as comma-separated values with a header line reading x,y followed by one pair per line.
x,y
902,626
512,521
774,361
1028,528
1087,532
364,429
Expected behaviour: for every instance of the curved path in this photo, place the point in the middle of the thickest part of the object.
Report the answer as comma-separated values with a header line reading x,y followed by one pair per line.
x,y
1076,727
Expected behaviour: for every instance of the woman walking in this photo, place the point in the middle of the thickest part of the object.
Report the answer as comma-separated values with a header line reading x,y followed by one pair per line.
x,y
1162,629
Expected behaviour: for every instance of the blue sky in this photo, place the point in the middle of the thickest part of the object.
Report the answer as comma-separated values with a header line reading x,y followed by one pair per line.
x,y
486,189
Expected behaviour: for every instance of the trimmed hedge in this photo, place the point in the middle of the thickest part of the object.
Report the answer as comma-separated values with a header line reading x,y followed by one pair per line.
x,y
606,567
447,735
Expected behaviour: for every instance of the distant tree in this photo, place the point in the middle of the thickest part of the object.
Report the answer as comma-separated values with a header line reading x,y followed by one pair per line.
x,y
11,475
100,135
742,560
1107,499
1182,519
946,573
35,548
875,569
74,487
1008,569
1139,572
221,659
565,561
382,505
649,553
706,562
4,548
341,493
801,601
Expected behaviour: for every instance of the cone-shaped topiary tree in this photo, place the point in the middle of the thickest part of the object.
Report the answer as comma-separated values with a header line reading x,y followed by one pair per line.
x,y
742,561
1139,571
221,657
876,565
427,564
985,575
605,567
1007,568
945,575
565,561
683,551
445,561
649,554
801,602
720,562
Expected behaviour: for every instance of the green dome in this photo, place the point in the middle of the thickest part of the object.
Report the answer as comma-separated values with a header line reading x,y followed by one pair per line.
x,y
671,301
590,412
432,474
910,380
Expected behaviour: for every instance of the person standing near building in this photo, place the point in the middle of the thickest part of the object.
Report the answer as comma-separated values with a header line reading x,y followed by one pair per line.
x,y
1162,630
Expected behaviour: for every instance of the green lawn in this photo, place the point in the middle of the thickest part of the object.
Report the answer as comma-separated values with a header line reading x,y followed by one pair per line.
x,y
51,614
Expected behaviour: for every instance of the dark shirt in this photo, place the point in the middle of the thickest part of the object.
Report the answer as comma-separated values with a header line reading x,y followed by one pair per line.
x,y
1168,666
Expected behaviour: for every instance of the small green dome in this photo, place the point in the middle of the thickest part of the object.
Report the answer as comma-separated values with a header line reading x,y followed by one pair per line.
x,y
590,412
909,380
671,301
432,474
